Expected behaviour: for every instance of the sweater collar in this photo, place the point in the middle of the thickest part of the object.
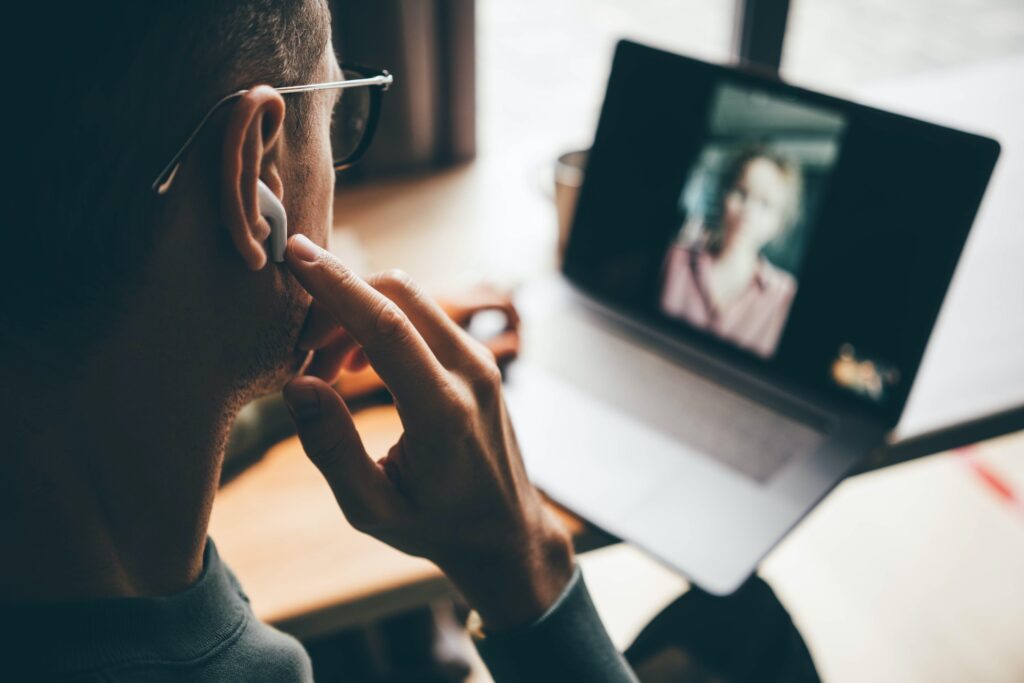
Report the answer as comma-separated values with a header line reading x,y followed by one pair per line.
x,y
78,636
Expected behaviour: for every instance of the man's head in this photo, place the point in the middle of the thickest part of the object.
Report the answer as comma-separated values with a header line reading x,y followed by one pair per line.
x,y
110,95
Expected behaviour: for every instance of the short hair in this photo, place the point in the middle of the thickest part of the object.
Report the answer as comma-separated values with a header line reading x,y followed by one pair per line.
x,y
111,90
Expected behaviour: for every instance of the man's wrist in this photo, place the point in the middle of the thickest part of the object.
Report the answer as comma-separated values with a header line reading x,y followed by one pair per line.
x,y
515,588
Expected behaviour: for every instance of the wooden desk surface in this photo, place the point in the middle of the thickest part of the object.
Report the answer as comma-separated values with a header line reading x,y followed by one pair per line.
x,y
304,568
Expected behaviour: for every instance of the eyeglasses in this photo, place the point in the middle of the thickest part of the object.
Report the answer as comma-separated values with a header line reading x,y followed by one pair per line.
x,y
353,120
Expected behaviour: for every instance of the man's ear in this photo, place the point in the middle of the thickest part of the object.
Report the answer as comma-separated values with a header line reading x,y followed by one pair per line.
x,y
251,143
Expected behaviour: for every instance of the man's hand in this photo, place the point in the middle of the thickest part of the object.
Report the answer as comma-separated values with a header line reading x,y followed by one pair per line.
x,y
453,488
337,359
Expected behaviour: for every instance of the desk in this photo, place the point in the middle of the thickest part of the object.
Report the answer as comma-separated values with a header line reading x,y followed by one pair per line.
x,y
305,569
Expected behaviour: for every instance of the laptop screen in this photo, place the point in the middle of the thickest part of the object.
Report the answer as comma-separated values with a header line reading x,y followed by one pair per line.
x,y
797,234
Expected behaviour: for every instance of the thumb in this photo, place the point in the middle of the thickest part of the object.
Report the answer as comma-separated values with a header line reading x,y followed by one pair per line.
x,y
330,439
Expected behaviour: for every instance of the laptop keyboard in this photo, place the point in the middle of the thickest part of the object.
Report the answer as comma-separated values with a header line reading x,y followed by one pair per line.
x,y
745,435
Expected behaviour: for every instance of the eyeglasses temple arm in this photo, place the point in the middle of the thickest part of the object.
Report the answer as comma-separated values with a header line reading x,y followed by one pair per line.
x,y
166,177
384,80
163,181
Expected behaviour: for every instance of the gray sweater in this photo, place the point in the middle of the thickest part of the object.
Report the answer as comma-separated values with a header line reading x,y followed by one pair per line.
x,y
209,633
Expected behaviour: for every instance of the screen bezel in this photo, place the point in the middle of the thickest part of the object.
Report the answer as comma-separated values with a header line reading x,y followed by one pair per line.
x,y
672,68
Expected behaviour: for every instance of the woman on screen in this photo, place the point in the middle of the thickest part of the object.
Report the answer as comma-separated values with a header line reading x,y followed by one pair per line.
x,y
720,281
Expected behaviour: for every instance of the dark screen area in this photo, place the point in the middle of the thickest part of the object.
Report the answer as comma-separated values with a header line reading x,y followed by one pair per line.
x,y
886,237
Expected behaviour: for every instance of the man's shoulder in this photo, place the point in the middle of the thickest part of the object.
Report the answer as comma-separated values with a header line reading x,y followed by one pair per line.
x,y
208,632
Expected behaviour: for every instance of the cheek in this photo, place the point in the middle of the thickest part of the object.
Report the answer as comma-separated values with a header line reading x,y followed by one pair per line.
x,y
320,195
772,219
326,199
768,227
761,221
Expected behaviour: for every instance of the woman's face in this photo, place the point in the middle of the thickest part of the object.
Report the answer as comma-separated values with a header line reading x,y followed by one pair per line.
x,y
755,206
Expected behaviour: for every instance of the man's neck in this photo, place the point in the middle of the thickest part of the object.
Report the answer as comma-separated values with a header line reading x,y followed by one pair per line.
x,y
108,489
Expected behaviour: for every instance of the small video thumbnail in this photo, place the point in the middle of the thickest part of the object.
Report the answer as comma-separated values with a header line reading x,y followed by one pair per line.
x,y
863,375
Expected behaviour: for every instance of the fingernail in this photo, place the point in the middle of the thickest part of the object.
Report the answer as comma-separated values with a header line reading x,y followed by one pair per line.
x,y
304,248
303,401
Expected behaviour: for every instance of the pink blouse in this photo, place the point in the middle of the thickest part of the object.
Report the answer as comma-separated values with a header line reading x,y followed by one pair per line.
x,y
753,321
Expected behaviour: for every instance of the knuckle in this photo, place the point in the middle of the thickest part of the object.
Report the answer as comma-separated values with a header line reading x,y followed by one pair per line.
x,y
481,352
456,408
326,457
485,379
396,281
391,322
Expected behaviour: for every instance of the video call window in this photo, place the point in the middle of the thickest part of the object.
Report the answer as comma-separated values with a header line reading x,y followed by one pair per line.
x,y
746,211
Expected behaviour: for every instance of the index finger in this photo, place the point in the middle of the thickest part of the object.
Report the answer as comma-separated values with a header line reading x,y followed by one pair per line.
x,y
394,347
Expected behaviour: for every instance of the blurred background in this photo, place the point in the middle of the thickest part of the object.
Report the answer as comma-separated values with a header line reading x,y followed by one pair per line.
x,y
543,62
515,84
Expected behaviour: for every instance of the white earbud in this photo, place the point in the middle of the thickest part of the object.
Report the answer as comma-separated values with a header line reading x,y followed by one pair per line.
x,y
273,211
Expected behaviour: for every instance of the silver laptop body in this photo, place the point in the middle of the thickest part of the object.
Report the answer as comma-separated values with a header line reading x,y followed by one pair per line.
x,y
703,467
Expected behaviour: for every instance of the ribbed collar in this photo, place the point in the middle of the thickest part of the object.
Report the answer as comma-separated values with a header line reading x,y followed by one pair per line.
x,y
81,636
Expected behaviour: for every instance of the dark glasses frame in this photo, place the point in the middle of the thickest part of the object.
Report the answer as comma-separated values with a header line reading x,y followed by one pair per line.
x,y
379,84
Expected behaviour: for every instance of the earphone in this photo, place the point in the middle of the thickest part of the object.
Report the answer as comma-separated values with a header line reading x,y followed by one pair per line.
x,y
273,211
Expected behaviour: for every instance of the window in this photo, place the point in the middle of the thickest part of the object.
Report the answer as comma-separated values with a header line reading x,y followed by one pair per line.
x,y
543,64
837,45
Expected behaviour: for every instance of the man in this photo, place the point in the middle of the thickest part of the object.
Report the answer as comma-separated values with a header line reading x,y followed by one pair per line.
x,y
137,323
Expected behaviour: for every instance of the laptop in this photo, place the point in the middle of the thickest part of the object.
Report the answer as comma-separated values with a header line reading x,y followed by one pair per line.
x,y
751,278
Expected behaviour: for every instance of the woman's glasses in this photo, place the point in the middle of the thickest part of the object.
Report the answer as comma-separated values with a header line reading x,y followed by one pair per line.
x,y
353,120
